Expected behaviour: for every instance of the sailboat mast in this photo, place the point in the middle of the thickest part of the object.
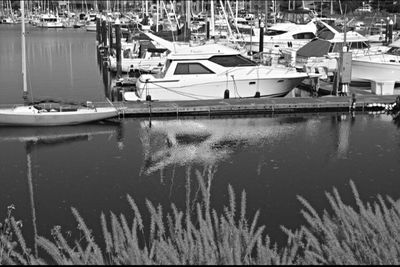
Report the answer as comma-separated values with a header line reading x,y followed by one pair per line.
x,y
25,87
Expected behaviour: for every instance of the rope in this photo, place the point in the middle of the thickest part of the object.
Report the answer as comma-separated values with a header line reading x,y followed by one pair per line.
x,y
194,96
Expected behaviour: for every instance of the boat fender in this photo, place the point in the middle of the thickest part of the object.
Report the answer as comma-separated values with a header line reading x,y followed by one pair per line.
x,y
353,102
258,95
226,94
148,98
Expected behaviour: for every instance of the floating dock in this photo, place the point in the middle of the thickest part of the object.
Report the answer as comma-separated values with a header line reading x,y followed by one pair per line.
x,y
250,106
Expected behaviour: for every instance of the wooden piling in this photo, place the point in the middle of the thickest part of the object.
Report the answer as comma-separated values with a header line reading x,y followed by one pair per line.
x,y
98,30
390,37
208,30
104,32
110,37
261,43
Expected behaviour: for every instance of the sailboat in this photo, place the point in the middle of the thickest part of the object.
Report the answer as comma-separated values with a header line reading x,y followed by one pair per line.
x,y
37,114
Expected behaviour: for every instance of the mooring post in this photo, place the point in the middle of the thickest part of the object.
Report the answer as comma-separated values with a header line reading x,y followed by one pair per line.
x,y
104,32
261,44
98,26
110,37
387,31
390,38
208,30
118,46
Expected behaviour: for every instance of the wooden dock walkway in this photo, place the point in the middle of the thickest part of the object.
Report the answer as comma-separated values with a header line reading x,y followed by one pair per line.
x,y
250,106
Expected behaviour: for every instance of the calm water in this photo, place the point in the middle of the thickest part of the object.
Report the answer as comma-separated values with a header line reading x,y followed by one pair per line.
x,y
46,171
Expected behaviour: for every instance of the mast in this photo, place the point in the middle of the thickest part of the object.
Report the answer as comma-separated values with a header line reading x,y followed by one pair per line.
x,y
212,23
25,87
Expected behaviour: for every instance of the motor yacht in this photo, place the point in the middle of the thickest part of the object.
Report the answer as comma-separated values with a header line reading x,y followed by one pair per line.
x,y
49,21
323,51
139,55
213,71
378,66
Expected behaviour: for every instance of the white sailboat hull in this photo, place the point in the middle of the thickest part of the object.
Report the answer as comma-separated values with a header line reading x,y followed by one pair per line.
x,y
29,116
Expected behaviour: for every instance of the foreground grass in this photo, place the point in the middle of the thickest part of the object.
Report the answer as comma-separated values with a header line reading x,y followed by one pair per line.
x,y
369,234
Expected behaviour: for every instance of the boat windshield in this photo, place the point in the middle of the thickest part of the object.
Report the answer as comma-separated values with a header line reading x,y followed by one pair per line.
x,y
394,51
274,33
232,61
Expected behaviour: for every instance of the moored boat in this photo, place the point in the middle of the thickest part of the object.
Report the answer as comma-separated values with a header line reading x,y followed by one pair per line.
x,y
213,72
37,114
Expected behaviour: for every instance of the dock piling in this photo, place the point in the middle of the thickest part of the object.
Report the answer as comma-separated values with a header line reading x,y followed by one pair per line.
x,y
104,32
261,43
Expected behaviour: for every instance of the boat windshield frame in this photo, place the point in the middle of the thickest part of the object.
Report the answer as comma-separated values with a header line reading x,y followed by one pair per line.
x,y
236,61
394,51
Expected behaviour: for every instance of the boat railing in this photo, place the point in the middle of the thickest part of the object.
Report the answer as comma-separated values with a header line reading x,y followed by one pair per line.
x,y
66,106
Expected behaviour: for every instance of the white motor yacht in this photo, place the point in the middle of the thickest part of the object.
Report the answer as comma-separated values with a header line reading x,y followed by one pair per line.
x,y
49,21
280,35
213,71
139,56
378,66
323,51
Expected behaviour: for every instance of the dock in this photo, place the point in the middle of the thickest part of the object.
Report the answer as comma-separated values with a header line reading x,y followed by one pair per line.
x,y
251,106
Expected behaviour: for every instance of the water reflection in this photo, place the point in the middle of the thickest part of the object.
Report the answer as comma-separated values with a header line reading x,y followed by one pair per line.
x,y
206,142
60,64
44,137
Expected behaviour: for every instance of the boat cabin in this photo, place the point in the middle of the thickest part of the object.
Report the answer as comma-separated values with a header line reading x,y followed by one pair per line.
x,y
203,64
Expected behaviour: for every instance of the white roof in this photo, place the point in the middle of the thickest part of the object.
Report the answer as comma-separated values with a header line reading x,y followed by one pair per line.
x,y
206,51
202,52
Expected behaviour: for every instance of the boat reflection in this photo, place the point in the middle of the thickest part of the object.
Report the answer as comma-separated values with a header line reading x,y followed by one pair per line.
x,y
207,141
59,135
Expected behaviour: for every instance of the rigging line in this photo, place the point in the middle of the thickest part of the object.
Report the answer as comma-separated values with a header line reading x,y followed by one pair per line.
x,y
194,96
235,86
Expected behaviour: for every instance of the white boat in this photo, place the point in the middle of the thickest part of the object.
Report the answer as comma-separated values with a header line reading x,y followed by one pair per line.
x,y
32,115
39,115
323,51
213,72
8,20
49,21
280,35
135,56
91,24
378,66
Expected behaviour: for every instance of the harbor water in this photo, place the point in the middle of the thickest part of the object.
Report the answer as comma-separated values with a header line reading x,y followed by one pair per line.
x,y
274,158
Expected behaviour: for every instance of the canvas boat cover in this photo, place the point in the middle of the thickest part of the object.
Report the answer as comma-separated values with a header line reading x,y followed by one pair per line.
x,y
315,48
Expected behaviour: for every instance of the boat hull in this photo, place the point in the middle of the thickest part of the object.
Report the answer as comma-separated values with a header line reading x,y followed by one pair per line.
x,y
51,25
208,89
363,70
14,117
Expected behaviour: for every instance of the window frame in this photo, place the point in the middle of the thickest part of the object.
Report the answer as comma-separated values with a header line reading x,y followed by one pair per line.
x,y
188,66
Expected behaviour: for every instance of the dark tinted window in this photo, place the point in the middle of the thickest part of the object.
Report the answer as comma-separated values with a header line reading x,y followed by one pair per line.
x,y
304,35
232,61
191,68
